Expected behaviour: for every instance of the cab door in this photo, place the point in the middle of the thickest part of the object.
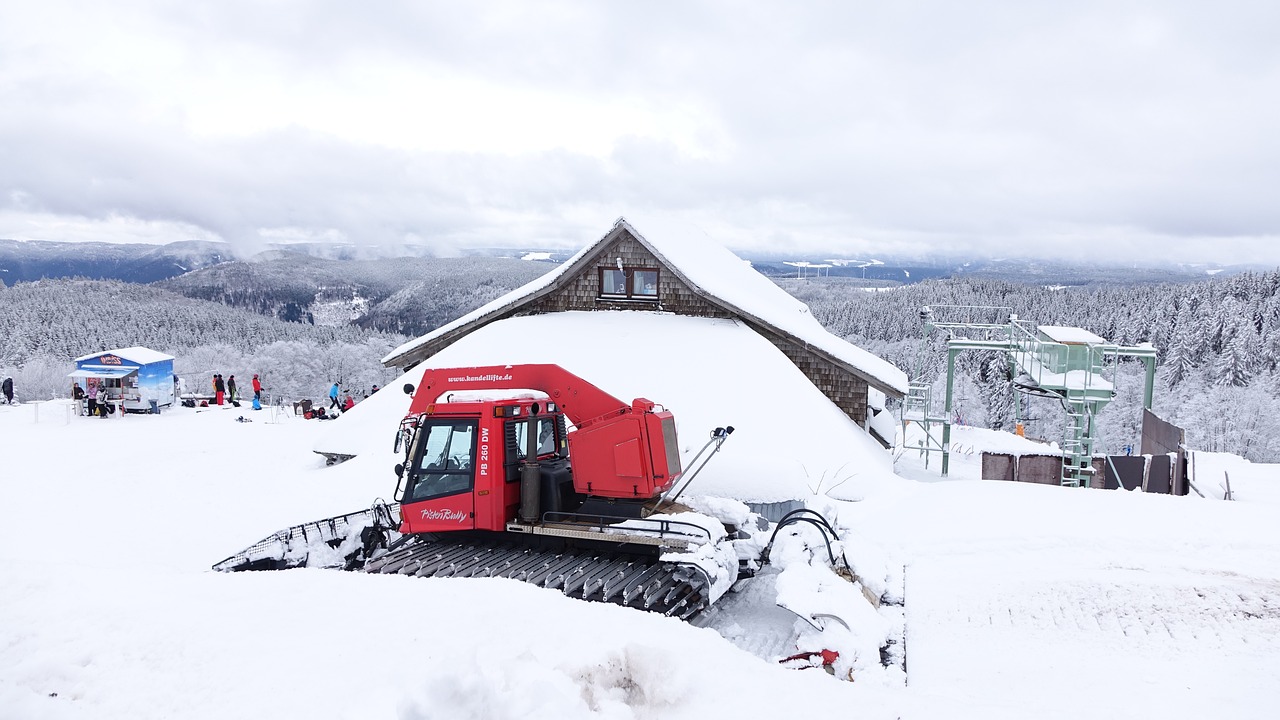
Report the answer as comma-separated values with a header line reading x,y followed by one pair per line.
x,y
440,492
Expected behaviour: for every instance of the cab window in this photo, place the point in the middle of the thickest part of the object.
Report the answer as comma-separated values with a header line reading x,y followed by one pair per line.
x,y
551,441
445,460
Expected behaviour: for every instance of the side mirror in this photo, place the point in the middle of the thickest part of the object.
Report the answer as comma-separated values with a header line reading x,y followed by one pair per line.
x,y
408,388
399,469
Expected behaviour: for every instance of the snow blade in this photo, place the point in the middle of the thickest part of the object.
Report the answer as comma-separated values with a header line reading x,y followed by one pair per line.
x,y
344,541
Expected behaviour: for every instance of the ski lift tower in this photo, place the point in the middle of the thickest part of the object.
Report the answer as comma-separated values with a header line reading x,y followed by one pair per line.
x,y
1067,363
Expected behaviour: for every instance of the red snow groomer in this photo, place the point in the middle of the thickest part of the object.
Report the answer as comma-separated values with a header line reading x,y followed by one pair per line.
x,y
532,473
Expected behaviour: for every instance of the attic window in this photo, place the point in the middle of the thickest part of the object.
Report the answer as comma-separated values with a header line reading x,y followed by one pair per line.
x,y
629,283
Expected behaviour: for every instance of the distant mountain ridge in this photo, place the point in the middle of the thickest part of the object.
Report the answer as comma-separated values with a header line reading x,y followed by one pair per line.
x,y
1031,271
411,296
30,260
311,283
412,293
27,260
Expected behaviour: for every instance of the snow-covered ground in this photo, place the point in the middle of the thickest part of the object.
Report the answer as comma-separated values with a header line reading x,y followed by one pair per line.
x,y
1021,600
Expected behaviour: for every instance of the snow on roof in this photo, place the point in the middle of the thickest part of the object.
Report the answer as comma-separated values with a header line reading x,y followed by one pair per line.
x,y
139,355
103,371
719,272
1036,373
494,306
708,266
789,438
1063,334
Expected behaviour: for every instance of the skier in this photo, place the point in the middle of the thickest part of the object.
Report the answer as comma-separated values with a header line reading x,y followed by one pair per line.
x,y
219,388
333,397
257,388
8,389
231,389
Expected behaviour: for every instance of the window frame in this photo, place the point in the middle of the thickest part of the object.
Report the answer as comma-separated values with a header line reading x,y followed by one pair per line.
x,y
629,280
420,472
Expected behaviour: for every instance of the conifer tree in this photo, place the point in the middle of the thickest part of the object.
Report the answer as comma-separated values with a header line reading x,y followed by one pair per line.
x,y
1233,367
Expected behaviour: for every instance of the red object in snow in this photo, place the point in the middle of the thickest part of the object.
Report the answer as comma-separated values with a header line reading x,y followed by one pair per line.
x,y
469,460
805,660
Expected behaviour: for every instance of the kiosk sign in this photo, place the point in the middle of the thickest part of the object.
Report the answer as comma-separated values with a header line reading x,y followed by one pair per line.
x,y
110,360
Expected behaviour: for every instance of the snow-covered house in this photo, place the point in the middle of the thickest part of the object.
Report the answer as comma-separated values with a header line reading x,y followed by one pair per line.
x,y
679,270
133,376
673,317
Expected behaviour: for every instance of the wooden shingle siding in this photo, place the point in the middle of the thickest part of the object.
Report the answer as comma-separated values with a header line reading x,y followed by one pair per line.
x,y
847,391
581,290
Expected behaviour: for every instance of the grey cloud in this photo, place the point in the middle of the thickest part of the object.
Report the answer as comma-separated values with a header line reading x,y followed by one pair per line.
x,y
847,125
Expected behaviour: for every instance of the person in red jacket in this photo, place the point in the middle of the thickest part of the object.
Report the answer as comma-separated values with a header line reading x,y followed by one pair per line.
x,y
348,403
257,389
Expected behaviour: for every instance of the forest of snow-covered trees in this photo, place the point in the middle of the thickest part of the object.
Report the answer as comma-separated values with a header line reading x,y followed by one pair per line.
x,y
1218,340
44,324
1218,374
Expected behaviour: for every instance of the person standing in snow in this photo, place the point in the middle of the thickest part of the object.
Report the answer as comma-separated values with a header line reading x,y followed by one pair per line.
x,y
231,388
7,387
103,407
219,388
333,397
257,388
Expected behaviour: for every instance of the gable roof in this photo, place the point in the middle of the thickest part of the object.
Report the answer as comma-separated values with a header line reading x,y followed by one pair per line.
x,y
709,270
137,354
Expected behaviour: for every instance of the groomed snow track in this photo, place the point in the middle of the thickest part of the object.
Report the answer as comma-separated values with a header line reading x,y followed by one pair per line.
x,y
636,581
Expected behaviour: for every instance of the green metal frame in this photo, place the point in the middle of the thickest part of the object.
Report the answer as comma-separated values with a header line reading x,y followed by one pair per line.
x,y
1036,363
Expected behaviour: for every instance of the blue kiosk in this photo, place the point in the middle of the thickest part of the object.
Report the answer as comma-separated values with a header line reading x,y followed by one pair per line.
x,y
134,377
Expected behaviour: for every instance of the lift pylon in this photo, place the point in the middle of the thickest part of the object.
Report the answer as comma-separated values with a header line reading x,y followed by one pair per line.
x,y
1068,363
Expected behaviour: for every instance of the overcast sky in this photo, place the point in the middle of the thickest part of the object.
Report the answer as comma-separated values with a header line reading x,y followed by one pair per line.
x,y
1105,130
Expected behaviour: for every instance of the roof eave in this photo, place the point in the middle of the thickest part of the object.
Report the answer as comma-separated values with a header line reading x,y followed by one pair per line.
x,y
735,310
729,307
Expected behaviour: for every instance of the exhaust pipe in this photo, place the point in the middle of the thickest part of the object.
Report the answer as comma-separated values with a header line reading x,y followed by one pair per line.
x,y
530,472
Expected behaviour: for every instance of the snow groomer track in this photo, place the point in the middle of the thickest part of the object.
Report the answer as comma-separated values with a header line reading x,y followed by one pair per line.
x,y
644,583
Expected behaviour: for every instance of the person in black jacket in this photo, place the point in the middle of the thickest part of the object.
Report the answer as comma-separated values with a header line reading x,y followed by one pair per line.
x,y
231,388
7,387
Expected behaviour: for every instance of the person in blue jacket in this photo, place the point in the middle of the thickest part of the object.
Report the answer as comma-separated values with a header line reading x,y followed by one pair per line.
x,y
333,397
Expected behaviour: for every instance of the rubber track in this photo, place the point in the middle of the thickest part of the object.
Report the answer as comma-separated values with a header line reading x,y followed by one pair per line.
x,y
644,583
